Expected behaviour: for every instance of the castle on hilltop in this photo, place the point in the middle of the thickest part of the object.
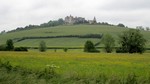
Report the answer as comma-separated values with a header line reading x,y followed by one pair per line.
x,y
78,20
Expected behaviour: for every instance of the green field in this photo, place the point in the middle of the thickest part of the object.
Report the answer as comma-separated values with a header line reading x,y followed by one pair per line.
x,y
77,67
66,30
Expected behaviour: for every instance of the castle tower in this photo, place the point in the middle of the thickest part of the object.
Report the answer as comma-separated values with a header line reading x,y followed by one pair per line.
x,y
94,20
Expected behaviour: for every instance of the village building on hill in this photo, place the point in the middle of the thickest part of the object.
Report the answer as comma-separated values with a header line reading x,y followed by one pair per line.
x,y
92,21
78,20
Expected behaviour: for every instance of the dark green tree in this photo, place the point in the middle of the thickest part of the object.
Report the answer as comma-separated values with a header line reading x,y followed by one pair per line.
x,y
89,47
121,25
108,42
132,41
9,45
42,46
61,21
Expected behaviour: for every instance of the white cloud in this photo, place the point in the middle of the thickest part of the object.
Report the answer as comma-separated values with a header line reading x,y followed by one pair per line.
x,y
16,13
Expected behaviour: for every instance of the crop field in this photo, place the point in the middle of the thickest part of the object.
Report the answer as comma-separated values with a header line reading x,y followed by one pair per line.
x,y
83,65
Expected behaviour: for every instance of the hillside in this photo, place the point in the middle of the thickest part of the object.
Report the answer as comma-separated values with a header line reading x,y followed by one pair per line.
x,y
64,36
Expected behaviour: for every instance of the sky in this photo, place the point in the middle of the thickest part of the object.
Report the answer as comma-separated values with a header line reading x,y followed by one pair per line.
x,y
19,13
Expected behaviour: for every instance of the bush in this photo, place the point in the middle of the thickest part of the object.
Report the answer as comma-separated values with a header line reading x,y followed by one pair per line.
x,y
42,46
120,50
65,49
2,47
21,49
89,47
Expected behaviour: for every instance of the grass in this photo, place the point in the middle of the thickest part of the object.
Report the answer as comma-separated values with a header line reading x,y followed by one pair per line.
x,y
82,63
81,67
66,30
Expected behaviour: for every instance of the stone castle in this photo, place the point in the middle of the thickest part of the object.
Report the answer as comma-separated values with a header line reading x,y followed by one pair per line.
x,y
75,20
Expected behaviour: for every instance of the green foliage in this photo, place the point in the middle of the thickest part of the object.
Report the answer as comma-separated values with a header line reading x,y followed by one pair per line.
x,y
108,42
53,23
121,25
48,73
9,45
65,49
20,49
89,47
2,47
131,79
42,46
132,41
24,75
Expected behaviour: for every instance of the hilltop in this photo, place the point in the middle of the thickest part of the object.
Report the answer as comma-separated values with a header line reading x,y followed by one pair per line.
x,y
65,35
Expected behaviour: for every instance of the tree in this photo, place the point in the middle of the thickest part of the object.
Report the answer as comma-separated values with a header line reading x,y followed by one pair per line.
x,y
108,42
147,28
140,27
61,21
89,47
42,46
132,41
121,25
9,45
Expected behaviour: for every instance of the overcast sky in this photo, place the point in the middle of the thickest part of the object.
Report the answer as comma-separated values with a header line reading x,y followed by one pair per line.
x,y
19,13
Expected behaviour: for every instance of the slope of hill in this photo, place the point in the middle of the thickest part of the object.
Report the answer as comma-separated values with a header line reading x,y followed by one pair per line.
x,y
50,35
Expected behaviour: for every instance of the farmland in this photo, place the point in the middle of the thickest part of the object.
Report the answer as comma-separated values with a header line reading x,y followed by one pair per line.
x,y
74,66
83,65
65,30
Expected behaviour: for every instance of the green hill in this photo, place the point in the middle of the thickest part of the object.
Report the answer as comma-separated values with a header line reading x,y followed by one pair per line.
x,y
52,35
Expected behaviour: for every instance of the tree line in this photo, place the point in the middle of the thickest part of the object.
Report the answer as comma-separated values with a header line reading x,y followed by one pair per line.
x,y
65,36
48,24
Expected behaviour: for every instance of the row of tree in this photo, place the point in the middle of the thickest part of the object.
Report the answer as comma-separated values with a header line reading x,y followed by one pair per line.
x,y
9,46
48,24
142,28
131,41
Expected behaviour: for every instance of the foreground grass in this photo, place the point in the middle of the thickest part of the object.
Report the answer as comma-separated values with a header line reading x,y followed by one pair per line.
x,y
82,67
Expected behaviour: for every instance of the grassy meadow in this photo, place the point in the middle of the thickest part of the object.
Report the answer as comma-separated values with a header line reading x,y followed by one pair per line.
x,y
74,67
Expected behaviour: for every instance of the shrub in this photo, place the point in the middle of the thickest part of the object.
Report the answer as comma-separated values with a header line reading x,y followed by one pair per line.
x,y
120,50
42,46
2,47
131,79
21,49
89,47
65,49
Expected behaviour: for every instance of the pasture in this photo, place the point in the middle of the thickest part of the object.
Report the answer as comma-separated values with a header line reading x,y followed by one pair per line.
x,y
83,65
